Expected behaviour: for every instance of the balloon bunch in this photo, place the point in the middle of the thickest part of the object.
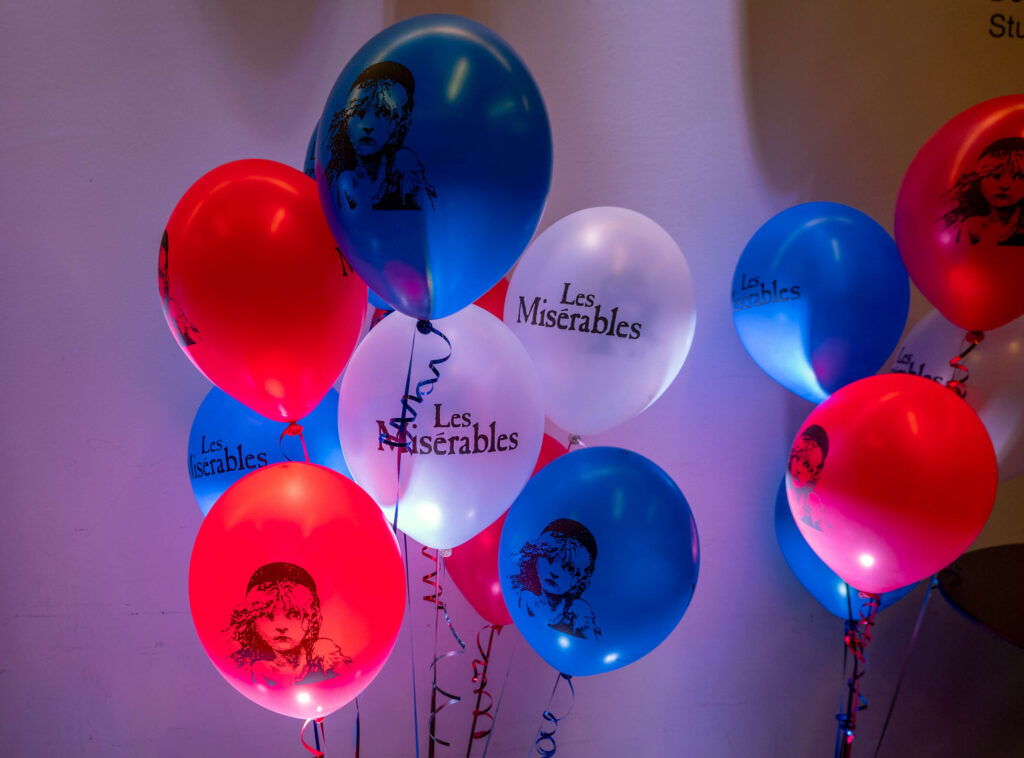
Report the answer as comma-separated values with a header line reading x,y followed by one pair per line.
x,y
425,178
893,476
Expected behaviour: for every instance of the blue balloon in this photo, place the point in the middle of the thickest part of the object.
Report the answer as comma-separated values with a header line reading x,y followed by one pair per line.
x,y
820,297
833,593
228,441
433,162
598,559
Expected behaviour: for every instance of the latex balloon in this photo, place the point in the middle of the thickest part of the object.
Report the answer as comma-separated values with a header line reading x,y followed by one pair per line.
x,y
995,378
296,588
890,479
602,299
960,216
228,441
475,436
820,298
598,559
255,290
493,301
438,118
473,565
835,595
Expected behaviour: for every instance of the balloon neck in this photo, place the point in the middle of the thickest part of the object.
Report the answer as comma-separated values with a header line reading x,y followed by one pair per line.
x,y
574,439
424,326
293,429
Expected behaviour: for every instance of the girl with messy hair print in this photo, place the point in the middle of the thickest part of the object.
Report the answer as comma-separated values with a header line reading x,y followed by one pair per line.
x,y
277,629
553,573
806,461
368,165
990,198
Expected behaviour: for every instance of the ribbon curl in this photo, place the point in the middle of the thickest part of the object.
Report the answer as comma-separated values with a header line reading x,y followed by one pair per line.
x,y
548,735
856,638
957,385
317,722
480,679
434,597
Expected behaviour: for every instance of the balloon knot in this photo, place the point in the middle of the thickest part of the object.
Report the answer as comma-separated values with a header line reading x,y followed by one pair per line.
x,y
424,326
293,430
974,337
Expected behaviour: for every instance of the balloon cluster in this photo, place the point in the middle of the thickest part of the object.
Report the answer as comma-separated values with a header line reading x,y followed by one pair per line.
x,y
425,178
893,476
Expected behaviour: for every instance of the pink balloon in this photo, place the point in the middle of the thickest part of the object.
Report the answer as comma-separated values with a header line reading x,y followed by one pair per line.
x,y
473,565
890,480
960,216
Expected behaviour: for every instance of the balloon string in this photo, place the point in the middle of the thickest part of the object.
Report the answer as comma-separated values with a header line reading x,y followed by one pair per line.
x,y
574,439
398,463
412,648
545,740
293,430
501,695
423,388
857,637
906,657
358,698
957,384
480,679
316,722
433,580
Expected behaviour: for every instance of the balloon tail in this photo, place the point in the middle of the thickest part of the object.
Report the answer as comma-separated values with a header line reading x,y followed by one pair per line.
x,y
433,581
857,636
574,439
293,430
955,383
302,736
480,680
545,740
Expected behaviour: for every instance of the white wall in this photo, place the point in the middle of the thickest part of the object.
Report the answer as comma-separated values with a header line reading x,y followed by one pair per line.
x,y
707,117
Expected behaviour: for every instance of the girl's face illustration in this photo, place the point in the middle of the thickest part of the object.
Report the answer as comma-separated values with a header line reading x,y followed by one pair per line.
x,y
564,568
805,462
284,623
1002,183
374,118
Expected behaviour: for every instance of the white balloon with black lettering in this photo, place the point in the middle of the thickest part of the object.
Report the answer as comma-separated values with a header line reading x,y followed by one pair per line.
x,y
475,437
603,301
995,378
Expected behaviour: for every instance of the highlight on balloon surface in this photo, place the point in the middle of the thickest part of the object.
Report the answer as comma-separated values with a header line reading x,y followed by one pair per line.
x,y
603,300
476,432
433,162
255,289
825,585
891,479
473,565
598,559
228,441
960,216
995,378
820,298
296,588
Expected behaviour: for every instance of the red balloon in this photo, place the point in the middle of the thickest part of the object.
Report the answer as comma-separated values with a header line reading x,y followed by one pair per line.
x,y
493,300
473,565
960,216
255,289
891,479
296,588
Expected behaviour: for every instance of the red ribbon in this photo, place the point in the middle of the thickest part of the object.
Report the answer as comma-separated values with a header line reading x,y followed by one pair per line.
x,y
957,385
856,638
480,679
431,579
293,430
314,750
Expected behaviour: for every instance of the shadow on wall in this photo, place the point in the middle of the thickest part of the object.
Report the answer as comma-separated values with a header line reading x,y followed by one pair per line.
x,y
841,95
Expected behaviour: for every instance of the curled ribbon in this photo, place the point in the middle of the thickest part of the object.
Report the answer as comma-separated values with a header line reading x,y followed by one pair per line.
x,y
547,735
318,722
293,430
480,679
424,387
857,636
957,385
434,597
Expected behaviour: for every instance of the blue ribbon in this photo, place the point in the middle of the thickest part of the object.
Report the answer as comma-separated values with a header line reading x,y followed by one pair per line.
x,y
548,735
423,388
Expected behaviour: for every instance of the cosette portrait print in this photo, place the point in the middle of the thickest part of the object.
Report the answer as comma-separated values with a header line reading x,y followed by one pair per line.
x,y
806,461
989,199
277,629
554,572
369,165
186,330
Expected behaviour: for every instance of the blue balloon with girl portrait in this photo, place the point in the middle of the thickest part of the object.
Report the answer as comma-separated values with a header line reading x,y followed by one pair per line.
x,y
433,162
598,559
228,441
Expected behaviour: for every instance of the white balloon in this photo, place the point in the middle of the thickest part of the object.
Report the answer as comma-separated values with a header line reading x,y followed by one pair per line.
x,y
603,301
476,436
995,382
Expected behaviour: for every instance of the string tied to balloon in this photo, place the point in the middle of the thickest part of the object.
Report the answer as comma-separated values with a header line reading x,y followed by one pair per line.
x,y
318,723
955,383
433,597
574,440
480,664
856,638
544,743
293,429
